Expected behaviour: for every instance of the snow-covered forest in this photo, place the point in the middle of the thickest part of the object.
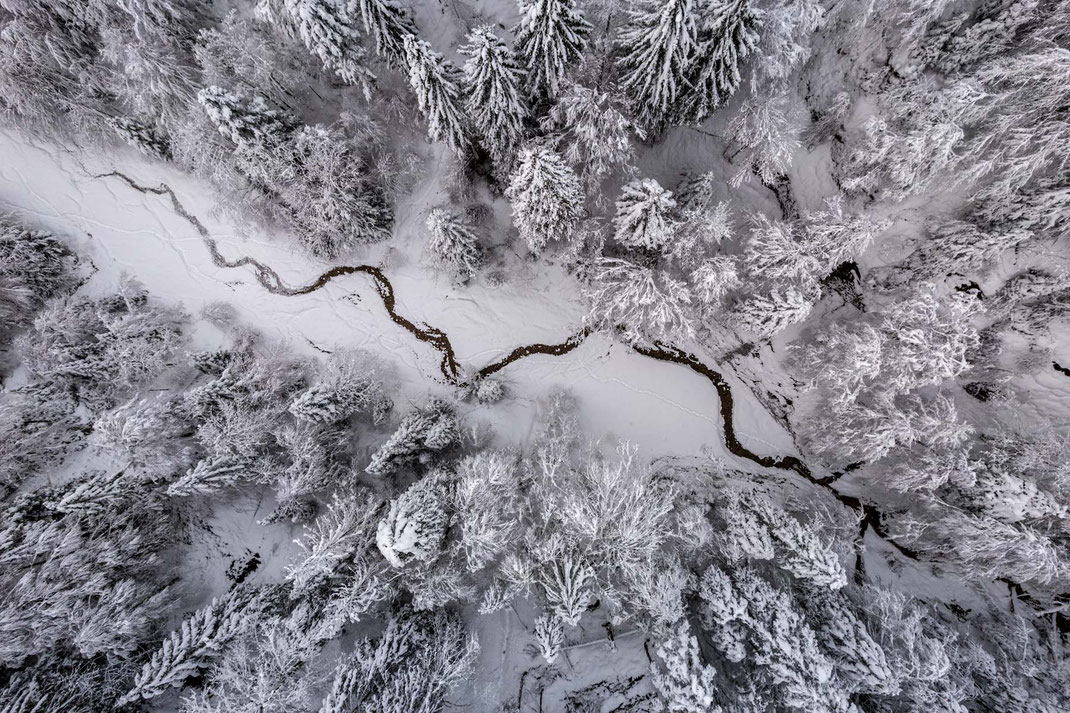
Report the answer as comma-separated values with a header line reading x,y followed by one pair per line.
x,y
568,356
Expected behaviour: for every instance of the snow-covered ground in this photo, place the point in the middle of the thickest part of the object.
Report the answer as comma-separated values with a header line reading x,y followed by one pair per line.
x,y
663,408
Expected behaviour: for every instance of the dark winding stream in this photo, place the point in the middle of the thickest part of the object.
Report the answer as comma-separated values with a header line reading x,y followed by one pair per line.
x,y
871,517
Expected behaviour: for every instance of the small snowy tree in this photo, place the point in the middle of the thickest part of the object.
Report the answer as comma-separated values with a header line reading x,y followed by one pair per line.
x,y
142,137
644,215
453,244
683,682
727,34
493,80
566,584
714,278
415,525
437,85
656,47
419,434
550,38
487,506
767,132
549,637
546,197
242,120
767,314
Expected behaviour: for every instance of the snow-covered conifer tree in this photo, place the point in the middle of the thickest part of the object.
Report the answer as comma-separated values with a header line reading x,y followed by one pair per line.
x,y
656,47
644,215
389,22
437,85
210,475
786,649
724,614
420,657
550,38
844,636
714,278
415,524
493,80
546,197
242,120
34,266
806,556
330,32
142,137
566,584
745,533
453,244
419,434
191,648
685,684
350,383
767,314
727,33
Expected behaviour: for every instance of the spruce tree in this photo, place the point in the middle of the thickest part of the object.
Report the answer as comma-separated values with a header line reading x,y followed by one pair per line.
x,y
330,33
245,121
656,46
727,33
453,244
546,197
644,215
389,23
550,37
192,647
492,79
437,85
